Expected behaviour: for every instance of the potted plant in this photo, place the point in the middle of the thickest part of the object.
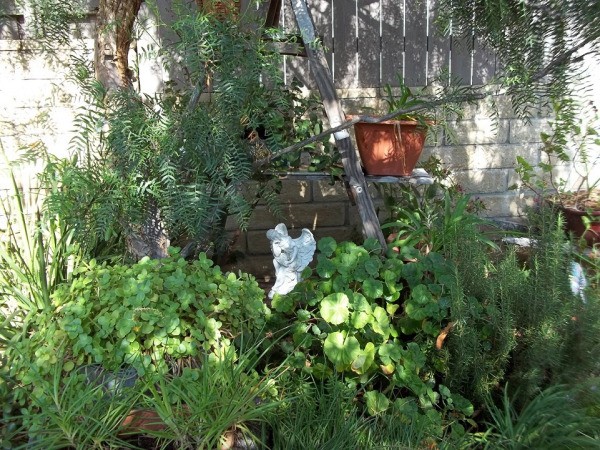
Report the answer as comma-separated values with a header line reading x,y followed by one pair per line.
x,y
393,147
575,143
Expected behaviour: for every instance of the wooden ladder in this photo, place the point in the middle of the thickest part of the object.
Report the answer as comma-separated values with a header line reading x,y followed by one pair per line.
x,y
354,179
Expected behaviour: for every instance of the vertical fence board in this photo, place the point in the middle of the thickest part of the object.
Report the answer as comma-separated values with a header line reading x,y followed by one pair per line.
x,y
415,47
461,57
296,66
484,63
368,43
344,52
438,55
392,40
321,11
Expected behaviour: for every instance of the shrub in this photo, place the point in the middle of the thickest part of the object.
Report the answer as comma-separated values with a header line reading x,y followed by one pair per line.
x,y
376,321
150,315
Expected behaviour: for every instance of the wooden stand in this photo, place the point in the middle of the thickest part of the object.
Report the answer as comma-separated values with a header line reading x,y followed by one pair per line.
x,y
355,179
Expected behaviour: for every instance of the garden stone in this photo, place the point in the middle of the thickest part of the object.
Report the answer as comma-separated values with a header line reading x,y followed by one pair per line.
x,y
290,257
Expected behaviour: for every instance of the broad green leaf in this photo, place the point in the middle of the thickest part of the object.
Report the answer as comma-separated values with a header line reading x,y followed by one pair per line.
x,y
381,322
327,246
282,303
359,319
371,245
325,268
364,360
341,349
372,266
373,288
334,308
377,403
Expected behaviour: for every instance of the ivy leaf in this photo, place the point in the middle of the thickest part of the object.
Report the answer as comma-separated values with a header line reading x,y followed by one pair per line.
x,y
364,360
341,349
377,403
373,288
334,308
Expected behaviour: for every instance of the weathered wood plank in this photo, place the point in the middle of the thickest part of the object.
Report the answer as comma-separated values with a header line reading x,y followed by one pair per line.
x,y
438,55
295,66
415,47
461,63
484,63
345,67
322,13
354,176
369,43
392,41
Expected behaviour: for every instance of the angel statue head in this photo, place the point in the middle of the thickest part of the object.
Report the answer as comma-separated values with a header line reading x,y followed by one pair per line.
x,y
290,257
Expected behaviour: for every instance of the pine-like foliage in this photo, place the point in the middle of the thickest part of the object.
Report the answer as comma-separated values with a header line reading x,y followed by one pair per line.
x,y
517,320
189,160
538,43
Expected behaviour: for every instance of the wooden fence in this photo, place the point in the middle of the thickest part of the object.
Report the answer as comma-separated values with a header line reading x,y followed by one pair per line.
x,y
370,42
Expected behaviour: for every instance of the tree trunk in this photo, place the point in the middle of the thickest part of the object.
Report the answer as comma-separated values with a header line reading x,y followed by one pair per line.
x,y
113,40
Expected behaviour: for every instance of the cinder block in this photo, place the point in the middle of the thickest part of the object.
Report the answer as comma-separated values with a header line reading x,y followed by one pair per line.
x,y
482,181
347,233
491,156
482,131
509,204
521,131
324,191
293,191
258,244
301,215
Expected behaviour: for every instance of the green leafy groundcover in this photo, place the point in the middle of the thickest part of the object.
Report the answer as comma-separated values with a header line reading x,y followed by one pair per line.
x,y
376,321
144,315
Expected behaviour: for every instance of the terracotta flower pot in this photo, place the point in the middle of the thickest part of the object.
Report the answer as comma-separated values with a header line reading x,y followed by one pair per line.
x,y
220,8
390,148
575,224
140,421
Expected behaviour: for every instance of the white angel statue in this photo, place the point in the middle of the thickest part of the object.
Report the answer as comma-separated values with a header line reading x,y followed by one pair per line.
x,y
290,257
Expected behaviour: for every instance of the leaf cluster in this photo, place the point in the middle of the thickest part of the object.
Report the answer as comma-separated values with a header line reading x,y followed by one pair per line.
x,y
376,321
540,44
146,315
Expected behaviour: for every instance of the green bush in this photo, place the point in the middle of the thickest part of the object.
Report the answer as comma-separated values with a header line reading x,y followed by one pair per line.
x,y
376,321
516,318
151,315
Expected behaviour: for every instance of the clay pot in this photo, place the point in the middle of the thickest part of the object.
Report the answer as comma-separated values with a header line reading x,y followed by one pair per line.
x,y
390,148
140,421
576,225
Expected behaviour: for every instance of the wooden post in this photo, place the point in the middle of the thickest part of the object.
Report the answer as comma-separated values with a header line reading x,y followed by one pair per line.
x,y
354,175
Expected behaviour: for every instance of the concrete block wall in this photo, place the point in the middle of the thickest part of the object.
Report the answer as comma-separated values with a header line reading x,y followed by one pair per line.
x,y
481,151
319,205
37,104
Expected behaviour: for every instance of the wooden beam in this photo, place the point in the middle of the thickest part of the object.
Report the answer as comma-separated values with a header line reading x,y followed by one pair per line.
x,y
355,178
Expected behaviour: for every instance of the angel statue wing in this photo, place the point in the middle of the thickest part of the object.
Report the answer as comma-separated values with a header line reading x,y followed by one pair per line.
x,y
306,246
